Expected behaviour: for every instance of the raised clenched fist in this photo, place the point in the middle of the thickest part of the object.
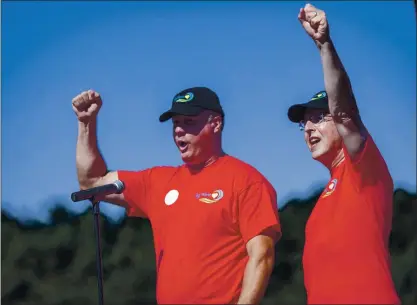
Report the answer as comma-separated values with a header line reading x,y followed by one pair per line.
x,y
314,21
86,105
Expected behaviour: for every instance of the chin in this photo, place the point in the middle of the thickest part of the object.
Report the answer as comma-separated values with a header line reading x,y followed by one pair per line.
x,y
322,156
187,158
315,155
318,154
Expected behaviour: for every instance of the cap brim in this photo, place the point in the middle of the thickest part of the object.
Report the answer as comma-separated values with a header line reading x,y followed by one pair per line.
x,y
296,112
180,109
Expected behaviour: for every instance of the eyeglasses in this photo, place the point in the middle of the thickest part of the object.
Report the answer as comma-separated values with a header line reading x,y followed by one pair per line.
x,y
316,119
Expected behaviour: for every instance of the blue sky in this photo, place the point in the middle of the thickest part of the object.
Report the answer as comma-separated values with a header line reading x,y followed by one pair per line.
x,y
138,55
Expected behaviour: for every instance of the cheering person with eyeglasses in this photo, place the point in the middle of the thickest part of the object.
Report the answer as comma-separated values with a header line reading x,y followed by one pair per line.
x,y
346,258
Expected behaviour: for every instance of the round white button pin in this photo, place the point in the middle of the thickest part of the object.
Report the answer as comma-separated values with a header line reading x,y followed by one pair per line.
x,y
171,197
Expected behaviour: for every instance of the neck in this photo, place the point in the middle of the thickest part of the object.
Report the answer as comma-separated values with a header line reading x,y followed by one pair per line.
x,y
209,161
337,160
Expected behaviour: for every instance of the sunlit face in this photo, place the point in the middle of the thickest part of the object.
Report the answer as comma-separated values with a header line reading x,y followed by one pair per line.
x,y
321,135
195,136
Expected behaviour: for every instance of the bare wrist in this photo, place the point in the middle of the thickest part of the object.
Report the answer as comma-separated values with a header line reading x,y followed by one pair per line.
x,y
325,46
87,126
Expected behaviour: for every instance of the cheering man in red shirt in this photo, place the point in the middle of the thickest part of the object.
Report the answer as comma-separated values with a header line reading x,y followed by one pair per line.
x,y
214,218
346,258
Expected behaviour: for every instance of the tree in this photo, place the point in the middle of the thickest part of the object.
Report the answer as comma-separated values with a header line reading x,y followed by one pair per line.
x,y
55,263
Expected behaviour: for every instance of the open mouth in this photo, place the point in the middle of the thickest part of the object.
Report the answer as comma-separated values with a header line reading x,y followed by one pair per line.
x,y
182,145
313,141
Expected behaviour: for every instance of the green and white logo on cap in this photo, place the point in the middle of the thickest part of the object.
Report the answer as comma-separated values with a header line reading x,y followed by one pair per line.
x,y
319,95
184,98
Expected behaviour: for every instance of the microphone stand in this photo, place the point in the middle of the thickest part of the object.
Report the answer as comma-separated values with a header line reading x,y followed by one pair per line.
x,y
96,215
113,188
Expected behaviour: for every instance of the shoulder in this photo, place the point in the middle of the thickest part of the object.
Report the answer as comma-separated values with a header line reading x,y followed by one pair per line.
x,y
155,172
164,169
369,165
241,167
245,173
369,155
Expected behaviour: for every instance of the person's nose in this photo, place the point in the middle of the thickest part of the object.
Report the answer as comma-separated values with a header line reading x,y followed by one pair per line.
x,y
309,127
179,130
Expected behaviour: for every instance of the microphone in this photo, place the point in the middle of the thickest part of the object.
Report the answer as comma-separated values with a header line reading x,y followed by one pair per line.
x,y
113,188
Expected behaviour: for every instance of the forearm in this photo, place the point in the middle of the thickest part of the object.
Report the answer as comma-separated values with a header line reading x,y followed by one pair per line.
x,y
336,81
90,164
255,280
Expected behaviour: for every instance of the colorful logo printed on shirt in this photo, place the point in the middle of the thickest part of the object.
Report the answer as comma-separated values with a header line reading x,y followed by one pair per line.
x,y
330,188
210,197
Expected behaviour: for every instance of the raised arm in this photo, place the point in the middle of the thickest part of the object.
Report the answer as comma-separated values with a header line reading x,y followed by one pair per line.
x,y
342,103
91,168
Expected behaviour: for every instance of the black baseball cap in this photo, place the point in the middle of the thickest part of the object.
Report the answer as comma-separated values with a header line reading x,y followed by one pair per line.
x,y
193,101
318,101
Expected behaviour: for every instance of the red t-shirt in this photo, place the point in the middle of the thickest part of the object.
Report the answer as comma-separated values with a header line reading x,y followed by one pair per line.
x,y
201,224
346,257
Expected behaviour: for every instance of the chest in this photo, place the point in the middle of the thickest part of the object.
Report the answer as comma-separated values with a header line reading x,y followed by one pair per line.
x,y
335,214
194,208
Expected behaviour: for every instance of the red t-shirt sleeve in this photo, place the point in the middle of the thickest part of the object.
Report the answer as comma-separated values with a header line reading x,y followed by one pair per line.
x,y
258,211
136,192
368,167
